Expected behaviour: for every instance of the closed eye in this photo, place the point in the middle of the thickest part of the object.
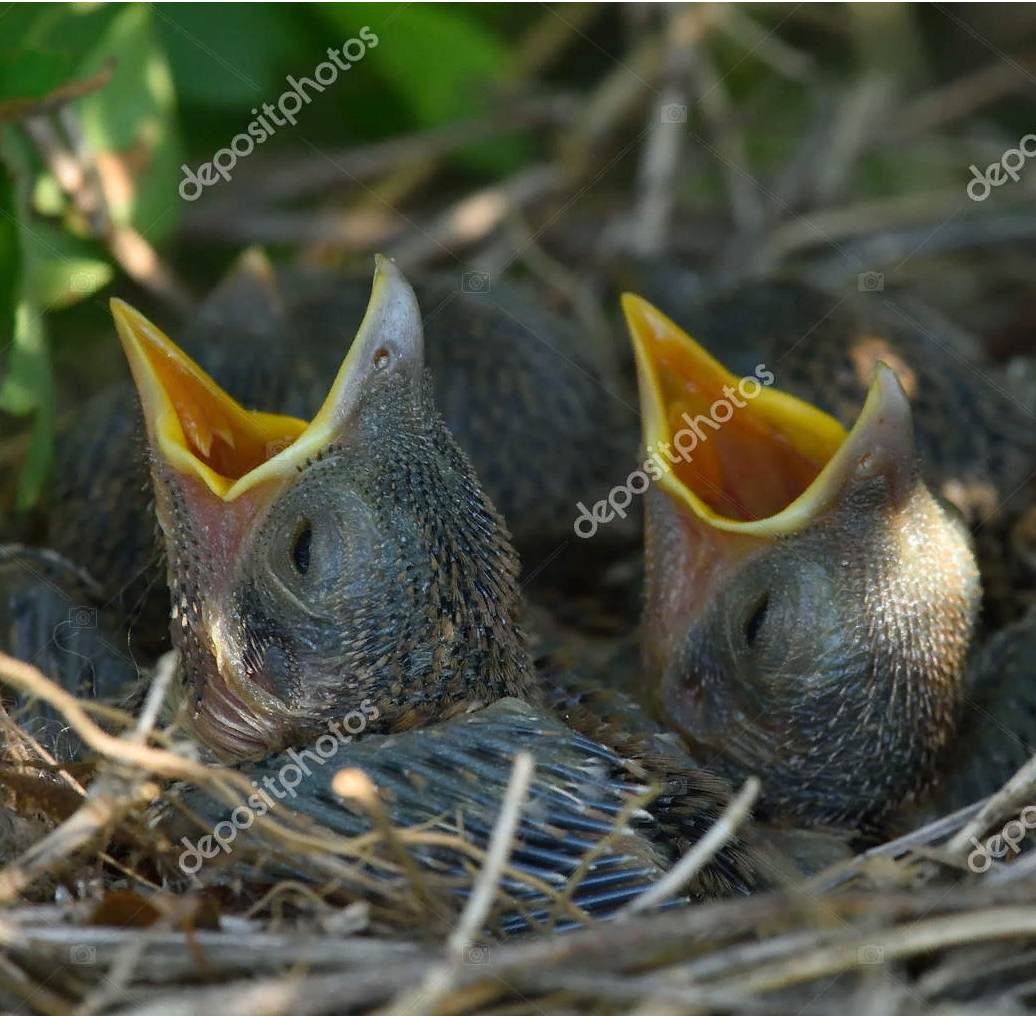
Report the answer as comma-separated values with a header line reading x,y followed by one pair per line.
x,y
755,621
300,549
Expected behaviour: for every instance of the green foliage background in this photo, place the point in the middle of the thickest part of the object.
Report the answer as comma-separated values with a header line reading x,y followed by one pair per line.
x,y
184,81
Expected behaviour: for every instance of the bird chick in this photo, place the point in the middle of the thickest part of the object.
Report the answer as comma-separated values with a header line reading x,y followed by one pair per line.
x,y
315,566
809,603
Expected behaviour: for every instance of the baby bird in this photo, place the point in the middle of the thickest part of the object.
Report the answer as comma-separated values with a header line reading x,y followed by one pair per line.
x,y
809,602
313,566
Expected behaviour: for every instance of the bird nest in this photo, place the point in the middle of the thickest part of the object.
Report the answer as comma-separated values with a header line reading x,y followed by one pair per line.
x,y
940,920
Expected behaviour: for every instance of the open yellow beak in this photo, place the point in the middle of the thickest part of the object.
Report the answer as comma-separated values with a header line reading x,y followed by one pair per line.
x,y
195,425
742,456
204,433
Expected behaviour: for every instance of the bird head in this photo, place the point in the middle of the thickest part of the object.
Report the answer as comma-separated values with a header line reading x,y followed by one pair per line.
x,y
346,565
809,604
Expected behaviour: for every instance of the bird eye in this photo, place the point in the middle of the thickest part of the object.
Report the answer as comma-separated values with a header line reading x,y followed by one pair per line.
x,y
755,620
300,549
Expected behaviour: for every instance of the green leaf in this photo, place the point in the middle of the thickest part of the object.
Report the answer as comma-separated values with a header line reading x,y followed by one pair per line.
x,y
21,388
225,61
28,385
29,388
439,61
134,118
32,73
10,255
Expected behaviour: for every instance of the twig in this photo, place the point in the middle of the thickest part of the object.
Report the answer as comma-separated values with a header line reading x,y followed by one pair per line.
x,y
361,229
1018,789
106,800
473,218
665,136
717,109
763,44
548,38
27,745
642,944
356,785
843,871
923,936
630,808
700,854
114,794
162,763
18,109
887,243
439,981
828,226
615,98
73,165
15,981
165,672
960,97
500,843
854,126
289,177
551,272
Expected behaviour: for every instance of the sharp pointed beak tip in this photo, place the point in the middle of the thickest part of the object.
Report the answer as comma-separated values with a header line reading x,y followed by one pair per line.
x,y
387,276
392,314
390,283
133,327
886,383
887,407
630,303
123,315
139,338
642,318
